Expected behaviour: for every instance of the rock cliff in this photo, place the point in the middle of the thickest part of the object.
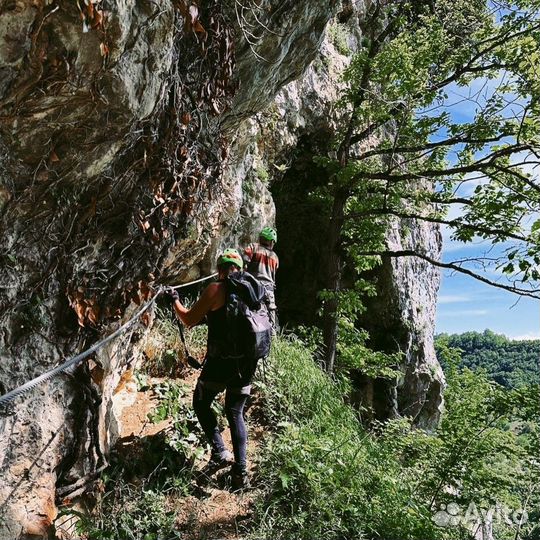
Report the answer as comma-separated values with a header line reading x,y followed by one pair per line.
x,y
298,125
116,124
137,138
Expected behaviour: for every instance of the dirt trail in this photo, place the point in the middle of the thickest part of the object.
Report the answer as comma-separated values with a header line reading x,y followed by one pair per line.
x,y
212,511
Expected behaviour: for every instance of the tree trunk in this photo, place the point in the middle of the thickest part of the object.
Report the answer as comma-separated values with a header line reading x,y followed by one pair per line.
x,y
334,269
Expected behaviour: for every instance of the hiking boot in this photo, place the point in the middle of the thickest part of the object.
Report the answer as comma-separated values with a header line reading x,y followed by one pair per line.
x,y
219,460
239,479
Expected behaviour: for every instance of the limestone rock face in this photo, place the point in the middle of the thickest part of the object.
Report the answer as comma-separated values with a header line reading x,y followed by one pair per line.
x,y
402,318
134,146
122,157
291,36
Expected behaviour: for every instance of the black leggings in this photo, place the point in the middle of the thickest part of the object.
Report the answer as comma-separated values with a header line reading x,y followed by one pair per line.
x,y
234,410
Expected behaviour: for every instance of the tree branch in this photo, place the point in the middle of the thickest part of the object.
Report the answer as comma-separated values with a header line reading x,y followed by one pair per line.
x,y
429,146
532,293
459,72
519,176
431,197
376,43
455,223
469,68
483,164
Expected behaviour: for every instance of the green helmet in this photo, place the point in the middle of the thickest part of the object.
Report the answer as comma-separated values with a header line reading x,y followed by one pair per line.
x,y
268,234
230,256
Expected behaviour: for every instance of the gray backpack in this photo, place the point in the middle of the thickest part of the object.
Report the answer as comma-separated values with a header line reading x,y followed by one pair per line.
x,y
248,321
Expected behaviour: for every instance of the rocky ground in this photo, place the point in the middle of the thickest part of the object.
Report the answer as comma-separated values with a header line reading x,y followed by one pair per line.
x,y
207,508
213,511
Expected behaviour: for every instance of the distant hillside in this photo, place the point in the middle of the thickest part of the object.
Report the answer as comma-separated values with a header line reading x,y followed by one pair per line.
x,y
510,363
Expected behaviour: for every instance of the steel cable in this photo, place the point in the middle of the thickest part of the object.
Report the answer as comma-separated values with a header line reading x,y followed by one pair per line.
x,y
71,362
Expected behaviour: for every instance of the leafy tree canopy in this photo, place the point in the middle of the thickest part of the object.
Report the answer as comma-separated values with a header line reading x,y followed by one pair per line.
x,y
409,152
510,363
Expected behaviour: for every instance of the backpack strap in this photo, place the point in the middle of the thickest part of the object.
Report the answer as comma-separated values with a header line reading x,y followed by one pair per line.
x,y
248,289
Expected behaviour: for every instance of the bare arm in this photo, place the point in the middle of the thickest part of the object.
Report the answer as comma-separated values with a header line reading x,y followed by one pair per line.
x,y
212,298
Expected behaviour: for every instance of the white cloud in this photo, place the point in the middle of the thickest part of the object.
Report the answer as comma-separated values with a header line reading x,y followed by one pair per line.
x,y
451,246
526,337
469,184
464,313
452,299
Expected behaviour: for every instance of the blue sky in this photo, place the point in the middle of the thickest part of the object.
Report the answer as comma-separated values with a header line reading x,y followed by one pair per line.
x,y
464,303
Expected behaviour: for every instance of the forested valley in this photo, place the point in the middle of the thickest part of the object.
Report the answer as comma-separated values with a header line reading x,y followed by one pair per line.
x,y
510,363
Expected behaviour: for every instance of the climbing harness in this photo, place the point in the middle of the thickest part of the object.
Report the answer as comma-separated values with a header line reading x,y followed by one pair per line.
x,y
72,362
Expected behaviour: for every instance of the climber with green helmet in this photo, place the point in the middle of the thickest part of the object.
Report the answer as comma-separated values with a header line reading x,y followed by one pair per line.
x,y
262,262
220,372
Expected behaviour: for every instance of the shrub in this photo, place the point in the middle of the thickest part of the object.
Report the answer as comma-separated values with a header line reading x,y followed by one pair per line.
x,y
129,512
338,37
163,351
325,477
184,435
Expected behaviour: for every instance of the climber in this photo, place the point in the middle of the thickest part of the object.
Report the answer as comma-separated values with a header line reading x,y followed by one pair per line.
x,y
262,262
220,372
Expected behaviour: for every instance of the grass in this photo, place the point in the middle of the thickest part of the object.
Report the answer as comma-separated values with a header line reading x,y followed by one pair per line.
x,y
163,350
128,512
323,475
